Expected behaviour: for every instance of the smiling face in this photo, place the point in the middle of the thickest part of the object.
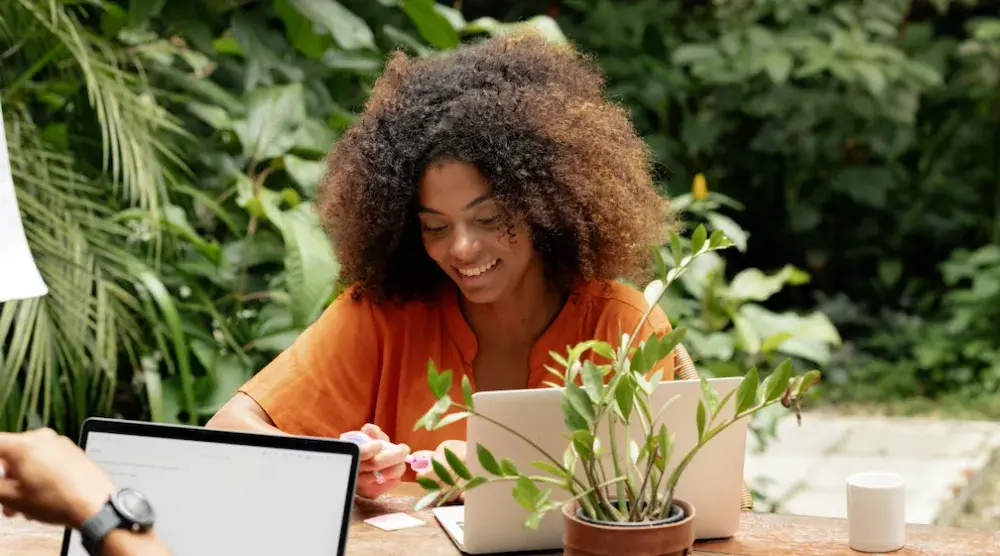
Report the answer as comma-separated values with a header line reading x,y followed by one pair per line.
x,y
464,232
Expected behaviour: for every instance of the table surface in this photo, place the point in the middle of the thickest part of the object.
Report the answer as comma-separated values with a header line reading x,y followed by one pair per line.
x,y
759,534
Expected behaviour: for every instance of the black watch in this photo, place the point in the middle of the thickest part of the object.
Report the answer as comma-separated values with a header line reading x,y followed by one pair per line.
x,y
126,509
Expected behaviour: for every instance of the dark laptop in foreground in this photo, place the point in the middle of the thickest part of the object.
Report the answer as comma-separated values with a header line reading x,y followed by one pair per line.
x,y
220,492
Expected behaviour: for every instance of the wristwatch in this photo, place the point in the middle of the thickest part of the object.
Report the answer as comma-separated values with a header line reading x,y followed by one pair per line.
x,y
126,509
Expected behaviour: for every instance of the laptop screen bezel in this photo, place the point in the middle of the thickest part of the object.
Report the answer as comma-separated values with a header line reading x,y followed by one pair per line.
x,y
238,438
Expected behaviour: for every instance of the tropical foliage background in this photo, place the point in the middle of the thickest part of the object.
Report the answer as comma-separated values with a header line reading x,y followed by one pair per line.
x,y
165,157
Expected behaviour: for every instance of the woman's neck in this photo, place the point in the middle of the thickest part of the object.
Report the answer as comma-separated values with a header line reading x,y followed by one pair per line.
x,y
518,318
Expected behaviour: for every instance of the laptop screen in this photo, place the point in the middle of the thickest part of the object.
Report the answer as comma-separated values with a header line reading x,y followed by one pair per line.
x,y
215,498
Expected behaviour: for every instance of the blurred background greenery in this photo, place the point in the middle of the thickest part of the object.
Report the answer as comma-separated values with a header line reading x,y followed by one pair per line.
x,y
166,154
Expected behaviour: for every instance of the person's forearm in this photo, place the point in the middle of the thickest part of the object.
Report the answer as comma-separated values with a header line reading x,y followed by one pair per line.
x,y
243,414
122,542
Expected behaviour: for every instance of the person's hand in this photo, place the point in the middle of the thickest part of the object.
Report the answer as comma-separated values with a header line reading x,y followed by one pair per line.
x,y
382,462
48,478
424,468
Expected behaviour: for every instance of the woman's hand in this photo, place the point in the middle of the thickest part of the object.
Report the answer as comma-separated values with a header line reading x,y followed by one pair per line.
x,y
382,462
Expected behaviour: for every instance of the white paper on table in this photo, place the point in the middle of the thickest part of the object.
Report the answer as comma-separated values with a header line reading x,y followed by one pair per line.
x,y
19,277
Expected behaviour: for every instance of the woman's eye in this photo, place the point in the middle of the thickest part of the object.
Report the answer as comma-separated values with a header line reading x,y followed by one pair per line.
x,y
434,229
491,220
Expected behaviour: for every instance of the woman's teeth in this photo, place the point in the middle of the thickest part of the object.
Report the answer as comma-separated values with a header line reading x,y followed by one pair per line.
x,y
479,270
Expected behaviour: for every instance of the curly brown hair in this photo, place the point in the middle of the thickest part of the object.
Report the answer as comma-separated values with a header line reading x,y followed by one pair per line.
x,y
532,117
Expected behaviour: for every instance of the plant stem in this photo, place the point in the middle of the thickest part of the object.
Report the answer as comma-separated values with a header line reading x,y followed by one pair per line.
x,y
617,467
531,443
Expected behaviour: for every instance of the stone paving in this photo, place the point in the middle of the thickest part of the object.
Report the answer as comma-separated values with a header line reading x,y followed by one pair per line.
x,y
804,471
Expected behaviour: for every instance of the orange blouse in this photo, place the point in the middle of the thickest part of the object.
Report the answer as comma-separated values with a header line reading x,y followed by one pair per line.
x,y
362,362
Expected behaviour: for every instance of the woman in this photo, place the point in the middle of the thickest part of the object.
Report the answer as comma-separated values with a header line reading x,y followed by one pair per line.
x,y
481,208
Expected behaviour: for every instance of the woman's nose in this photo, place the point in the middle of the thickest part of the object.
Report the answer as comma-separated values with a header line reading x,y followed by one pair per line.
x,y
464,246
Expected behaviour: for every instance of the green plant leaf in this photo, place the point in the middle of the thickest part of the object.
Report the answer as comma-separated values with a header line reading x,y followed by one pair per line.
x,y
310,267
457,465
593,381
526,493
433,26
605,350
428,484
625,397
571,417
583,443
675,249
487,461
350,31
579,400
660,264
746,395
808,379
274,115
549,468
776,383
475,482
451,418
430,419
710,395
439,382
698,238
442,472
508,468
467,392
700,419
569,458
426,500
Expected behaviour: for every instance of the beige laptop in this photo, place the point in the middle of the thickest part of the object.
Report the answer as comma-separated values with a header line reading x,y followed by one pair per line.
x,y
491,521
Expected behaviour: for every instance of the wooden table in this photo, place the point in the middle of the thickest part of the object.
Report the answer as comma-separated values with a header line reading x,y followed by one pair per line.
x,y
759,535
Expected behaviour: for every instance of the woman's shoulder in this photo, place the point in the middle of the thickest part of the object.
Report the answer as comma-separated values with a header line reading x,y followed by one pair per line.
x,y
353,302
617,301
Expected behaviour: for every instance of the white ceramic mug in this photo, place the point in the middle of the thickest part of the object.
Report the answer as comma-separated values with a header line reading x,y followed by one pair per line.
x,y
876,512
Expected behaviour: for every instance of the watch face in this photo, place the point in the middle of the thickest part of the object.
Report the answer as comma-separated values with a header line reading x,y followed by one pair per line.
x,y
133,506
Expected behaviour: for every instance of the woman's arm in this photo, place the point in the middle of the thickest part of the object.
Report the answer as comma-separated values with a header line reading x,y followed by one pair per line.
x,y
243,413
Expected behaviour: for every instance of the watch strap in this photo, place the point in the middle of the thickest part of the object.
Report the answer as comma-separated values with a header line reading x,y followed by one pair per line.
x,y
98,526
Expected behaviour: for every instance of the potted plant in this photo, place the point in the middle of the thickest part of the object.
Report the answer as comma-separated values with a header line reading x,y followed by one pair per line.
x,y
631,505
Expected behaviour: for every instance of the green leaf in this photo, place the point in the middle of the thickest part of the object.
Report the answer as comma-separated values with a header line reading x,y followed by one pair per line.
x,y
310,267
440,383
442,472
675,249
426,501
808,379
661,265
307,174
549,468
433,416
300,31
593,381
457,465
487,461
731,232
579,400
604,349
274,115
778,65
428,484
541,23
700,419
476,482
508,468
625,397
526,493
583,443
467,392
350,31
451,418
571,417
710,395
694,53
698,238
433,26
746,395
776,383
569,459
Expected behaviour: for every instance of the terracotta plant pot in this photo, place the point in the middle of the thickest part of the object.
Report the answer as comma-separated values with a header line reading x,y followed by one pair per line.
x,y
583,537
